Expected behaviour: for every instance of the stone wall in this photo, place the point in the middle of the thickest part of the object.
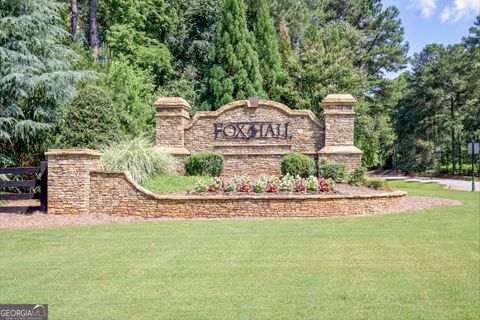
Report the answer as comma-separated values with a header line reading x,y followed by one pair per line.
x,y
76,186
117,194
254,135
69,179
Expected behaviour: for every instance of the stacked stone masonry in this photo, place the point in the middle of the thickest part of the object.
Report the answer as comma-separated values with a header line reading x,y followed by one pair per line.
x,y
254,137
115,193
69,180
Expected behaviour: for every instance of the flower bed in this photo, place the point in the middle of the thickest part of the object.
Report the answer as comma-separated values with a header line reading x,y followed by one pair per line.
x,y
262,184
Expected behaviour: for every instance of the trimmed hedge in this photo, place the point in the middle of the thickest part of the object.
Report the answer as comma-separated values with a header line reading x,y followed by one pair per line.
x,y
204,164
298,164
331,170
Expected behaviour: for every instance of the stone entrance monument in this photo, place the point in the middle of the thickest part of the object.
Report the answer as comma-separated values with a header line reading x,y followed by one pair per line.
x,y
254,135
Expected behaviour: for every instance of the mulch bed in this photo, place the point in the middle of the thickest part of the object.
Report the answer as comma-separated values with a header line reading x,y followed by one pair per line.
x,y
340,189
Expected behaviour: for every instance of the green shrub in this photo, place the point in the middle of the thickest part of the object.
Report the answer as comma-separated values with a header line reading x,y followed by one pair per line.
x,y
358,177
297,164
139,156
204,164
331,170
377,184
90,121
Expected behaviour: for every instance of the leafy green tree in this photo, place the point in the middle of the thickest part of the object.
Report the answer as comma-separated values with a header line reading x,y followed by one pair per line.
x,y
322,67
434,106
192,38
35,75
155,18
185,88
382,47
418,157
90,121
132,92
234,72
125,42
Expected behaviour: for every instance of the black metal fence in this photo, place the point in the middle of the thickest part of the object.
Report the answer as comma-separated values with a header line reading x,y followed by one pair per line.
x,y
31,184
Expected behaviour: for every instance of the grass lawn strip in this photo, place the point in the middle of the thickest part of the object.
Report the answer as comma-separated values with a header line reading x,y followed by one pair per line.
x,y
419,265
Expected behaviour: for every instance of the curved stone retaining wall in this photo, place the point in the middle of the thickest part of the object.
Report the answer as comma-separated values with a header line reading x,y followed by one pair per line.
x,y
115,193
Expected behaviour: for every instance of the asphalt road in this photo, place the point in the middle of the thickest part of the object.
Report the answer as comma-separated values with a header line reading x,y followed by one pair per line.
x,y
450,183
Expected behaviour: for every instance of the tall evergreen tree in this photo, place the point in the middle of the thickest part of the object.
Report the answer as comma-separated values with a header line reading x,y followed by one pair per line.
x,y
471,122
267,49
35,76
234,72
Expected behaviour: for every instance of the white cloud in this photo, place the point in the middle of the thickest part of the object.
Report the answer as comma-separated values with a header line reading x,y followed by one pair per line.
x,y
426,7
460,9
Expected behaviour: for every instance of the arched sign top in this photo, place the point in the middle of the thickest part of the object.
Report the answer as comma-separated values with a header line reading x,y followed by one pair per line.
x,y
244,104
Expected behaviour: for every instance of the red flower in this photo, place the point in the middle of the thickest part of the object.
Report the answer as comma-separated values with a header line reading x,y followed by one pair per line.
x,y
299,187
244,187
323,185
272,187
212,187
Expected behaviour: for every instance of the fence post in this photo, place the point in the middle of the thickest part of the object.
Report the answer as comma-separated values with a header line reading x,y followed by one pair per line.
x,y
43,186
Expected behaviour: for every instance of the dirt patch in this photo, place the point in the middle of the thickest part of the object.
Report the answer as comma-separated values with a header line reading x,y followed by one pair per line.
x,y
40,220
419,203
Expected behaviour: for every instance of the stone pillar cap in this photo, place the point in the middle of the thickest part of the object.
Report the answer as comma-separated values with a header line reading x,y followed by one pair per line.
x,y
75,151
172,102
340,150
338,100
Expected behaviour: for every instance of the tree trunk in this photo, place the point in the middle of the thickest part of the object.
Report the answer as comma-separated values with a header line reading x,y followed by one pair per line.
x,y
460,164
74,20
92,21
452,114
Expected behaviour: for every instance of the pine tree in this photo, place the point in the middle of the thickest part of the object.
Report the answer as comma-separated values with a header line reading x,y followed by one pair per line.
x,y
234,72
267,49
35,76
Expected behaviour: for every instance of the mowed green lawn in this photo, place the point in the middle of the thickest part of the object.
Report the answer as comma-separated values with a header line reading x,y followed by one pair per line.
x,y
417,265
170,184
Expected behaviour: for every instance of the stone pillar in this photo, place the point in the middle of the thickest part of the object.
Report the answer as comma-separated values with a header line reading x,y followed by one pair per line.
x,y
172,115
69,179
339,114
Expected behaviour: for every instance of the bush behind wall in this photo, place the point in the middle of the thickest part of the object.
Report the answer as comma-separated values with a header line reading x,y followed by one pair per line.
x,y
204,164
90,121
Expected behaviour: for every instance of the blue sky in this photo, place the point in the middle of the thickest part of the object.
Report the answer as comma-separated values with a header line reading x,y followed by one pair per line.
x,y
440,21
